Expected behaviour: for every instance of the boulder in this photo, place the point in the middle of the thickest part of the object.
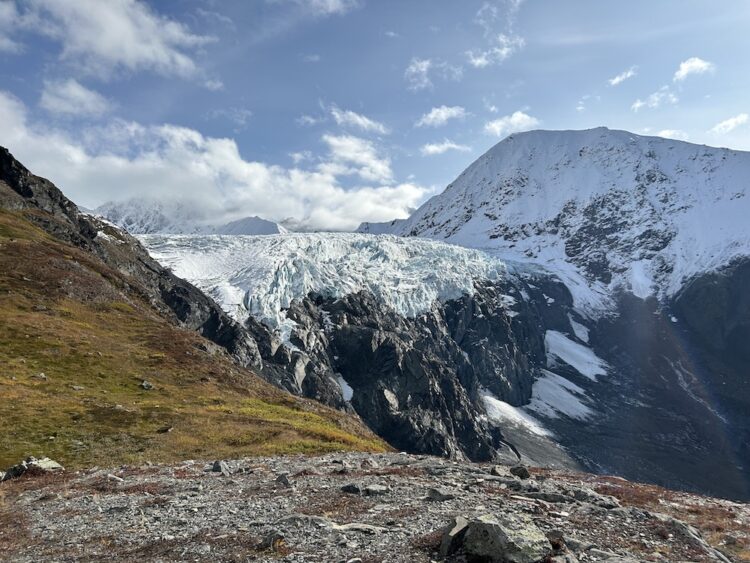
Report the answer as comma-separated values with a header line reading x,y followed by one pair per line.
x,y
436,495
352,489
222,467
520,471
32,465
453,536
507,538
375,490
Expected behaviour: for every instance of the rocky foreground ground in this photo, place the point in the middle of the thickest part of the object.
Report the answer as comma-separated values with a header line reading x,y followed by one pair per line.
x,y
359,508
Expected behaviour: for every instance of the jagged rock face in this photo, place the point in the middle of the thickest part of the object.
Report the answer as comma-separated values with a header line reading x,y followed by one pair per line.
x,y
418,382
172,296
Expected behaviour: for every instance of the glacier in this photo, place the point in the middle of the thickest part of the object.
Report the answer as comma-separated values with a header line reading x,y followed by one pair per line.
x,y
263,275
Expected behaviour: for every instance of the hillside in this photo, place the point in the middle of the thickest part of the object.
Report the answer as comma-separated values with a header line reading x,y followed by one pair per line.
x,y
98,367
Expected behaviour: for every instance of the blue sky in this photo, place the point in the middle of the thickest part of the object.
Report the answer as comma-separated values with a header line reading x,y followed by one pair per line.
x,y
325,113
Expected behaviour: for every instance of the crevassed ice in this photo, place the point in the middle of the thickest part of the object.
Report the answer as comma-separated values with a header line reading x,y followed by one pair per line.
x,y
262,275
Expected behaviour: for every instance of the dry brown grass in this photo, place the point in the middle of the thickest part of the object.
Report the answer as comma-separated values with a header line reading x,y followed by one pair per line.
x,y
67,315
341,507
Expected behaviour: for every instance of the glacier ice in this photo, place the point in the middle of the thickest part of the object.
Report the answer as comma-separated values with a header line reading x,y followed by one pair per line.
x,y
263,275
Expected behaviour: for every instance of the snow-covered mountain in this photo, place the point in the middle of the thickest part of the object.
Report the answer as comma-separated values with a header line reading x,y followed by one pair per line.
x,y
144,216
604,209
250,226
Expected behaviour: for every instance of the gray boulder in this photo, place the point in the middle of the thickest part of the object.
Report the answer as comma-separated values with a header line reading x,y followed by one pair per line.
x,y
32,465
497,539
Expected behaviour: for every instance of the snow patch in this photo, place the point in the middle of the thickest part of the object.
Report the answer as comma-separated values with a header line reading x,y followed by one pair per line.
x,y
581,332
346,389
641,284
504,413
553,395
579,357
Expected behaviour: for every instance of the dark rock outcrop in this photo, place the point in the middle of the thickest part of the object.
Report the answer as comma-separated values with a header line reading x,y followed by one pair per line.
x,y
419,382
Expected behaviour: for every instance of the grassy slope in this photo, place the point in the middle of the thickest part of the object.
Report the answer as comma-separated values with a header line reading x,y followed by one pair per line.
x,y
63,313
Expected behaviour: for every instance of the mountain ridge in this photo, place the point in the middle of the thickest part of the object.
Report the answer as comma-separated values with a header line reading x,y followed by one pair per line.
x,y
606,209
152,216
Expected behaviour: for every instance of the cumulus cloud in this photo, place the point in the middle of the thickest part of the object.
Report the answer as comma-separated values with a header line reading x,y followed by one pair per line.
x,y
351,155
348,118
515,123
730,124
693,65
69,97
103,37
441,115
418,74
623,76
502,48
662,96
676,134
126,159
431,149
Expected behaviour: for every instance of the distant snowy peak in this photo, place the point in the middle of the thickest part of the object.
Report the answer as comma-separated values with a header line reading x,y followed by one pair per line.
x,y
250,226
151,216
611,208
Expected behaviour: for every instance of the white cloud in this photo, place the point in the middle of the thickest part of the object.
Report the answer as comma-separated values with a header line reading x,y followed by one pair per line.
x,y
302,156
515,123
309,120
311,58
8,21
441,115
431,149
730,124
69,97
102,37
497,12
350,155
502,48
324,7
238,116
623,76
662,96
693,65
127,159
418,73
391,34
214,85
676,134
349,118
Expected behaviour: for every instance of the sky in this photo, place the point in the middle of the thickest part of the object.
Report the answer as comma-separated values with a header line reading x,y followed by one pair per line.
x,y
326,113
